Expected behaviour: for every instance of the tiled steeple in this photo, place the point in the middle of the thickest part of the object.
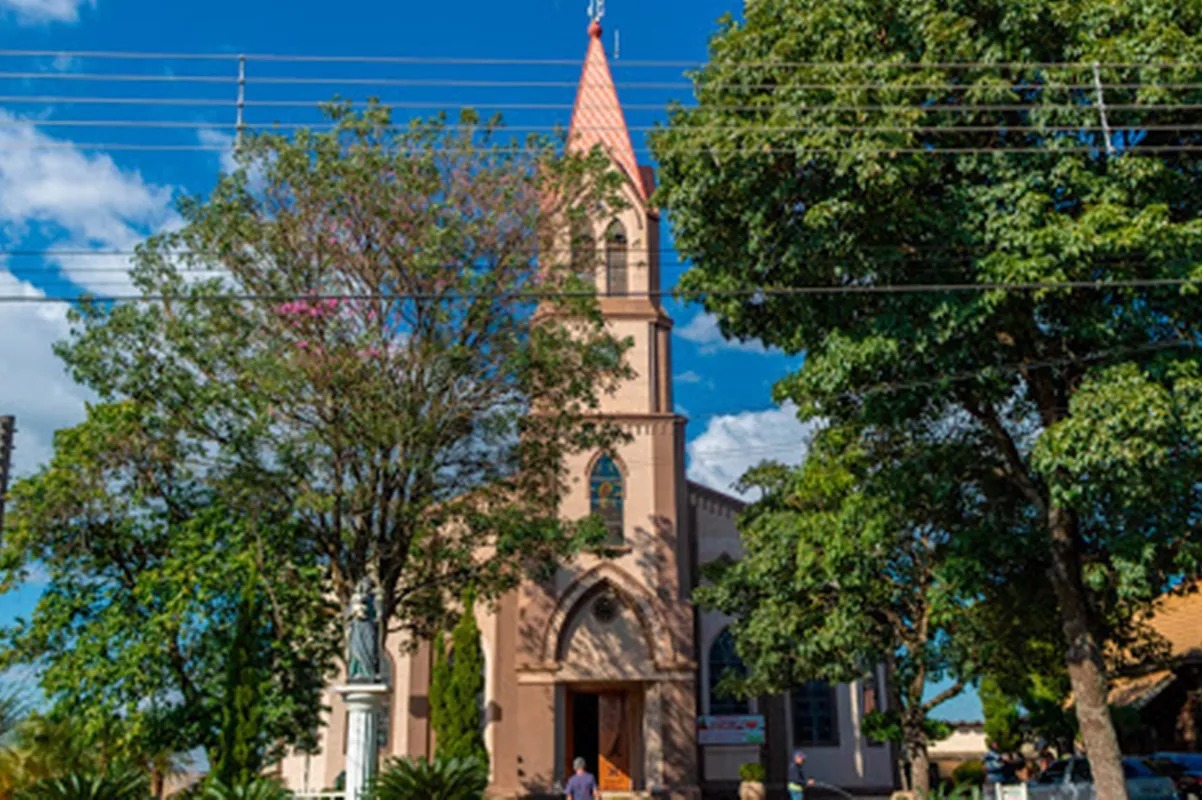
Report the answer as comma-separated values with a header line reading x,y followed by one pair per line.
x,y
598,119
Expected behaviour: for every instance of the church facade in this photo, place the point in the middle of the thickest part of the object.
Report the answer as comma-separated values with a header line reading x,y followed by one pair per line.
x,y
610,661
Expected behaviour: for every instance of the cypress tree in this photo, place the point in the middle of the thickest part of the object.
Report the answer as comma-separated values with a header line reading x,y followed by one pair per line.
x,y
440,678
240,757
457,721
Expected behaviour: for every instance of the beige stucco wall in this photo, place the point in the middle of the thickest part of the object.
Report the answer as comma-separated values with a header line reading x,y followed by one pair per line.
x,y
854,763
964,741
592,650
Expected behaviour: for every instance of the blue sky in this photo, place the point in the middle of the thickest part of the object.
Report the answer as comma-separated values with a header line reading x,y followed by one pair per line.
x,y
62,197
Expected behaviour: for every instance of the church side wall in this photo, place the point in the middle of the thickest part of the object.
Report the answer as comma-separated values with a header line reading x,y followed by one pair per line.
x,y
853,764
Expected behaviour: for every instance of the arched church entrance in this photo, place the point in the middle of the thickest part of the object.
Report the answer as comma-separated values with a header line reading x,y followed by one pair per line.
x,y
606,673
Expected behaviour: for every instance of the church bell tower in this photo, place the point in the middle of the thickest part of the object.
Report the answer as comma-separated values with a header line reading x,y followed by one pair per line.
x,y
605,655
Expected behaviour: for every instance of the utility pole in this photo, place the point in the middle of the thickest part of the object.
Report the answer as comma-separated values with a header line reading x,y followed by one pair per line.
x,y
8,426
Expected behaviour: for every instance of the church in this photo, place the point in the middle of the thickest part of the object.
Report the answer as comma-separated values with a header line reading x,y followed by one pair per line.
x,y
611,662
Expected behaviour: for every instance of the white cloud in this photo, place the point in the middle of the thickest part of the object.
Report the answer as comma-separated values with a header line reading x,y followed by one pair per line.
x,y
702,330
688,377
34,12
54,196
53,191
64,63
224,142
734,443
34,386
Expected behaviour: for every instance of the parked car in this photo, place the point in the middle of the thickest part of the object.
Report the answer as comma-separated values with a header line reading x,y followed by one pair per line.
x,y
1071,779
1184,768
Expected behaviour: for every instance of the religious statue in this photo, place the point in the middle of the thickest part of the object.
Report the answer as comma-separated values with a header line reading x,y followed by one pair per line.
x,y
363,657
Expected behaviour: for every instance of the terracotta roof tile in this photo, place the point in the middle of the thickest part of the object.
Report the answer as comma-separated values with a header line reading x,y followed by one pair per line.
x,y
1139,691
597,118
1178,618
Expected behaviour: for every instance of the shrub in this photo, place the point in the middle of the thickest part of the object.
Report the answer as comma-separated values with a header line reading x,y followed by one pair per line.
x,y
954,793
970,773
457,691
752,772
256,789
440,779
240,753
114,783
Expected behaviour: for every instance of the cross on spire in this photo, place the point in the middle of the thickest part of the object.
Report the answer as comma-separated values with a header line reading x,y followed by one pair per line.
x,y
596,10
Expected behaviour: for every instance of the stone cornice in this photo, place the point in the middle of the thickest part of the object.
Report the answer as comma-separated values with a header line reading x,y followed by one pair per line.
x,y
618,308
643,423
714,501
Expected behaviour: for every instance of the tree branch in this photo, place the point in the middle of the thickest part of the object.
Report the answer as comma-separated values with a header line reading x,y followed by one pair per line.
x,y
1015,466
943,697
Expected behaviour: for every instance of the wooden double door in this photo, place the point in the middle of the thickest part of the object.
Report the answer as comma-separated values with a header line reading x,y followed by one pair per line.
x,y
603,727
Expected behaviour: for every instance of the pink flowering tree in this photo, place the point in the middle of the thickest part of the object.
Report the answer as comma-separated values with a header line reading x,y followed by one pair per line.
x,y
379,329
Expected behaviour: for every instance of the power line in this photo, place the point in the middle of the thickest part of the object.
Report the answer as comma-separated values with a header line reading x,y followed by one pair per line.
x,y
287,80
903,247
314,104
146,101
914,263
1020,366
534,296
485,61
764,151
911,253
941,380
151,124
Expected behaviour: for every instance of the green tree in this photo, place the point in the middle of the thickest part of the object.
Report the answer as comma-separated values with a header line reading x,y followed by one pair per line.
x,y
51,751
845,145
847,565
14,709
458,726
242,747
144,586
358,331
440,679
1003,722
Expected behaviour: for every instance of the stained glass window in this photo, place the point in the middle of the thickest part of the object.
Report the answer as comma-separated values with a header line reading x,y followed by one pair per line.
x,y
724,660
607,498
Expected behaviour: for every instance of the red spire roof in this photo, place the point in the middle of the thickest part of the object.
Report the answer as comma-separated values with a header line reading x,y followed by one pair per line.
x,y
598,119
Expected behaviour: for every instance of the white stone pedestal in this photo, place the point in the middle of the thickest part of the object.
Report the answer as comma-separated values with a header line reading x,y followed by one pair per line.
x,y
363,702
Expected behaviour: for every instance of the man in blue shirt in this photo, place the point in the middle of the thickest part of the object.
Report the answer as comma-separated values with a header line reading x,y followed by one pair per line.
x,y
995,766
797,777
582,785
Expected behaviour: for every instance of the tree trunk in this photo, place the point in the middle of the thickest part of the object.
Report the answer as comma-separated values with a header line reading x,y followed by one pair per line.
x,y
920,769
914,735
1084,657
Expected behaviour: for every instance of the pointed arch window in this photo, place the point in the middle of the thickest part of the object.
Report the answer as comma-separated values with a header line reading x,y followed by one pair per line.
x,y
724,660
617,280
607,498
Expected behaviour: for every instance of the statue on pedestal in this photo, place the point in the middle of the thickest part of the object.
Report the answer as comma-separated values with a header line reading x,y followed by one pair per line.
x,y
363,651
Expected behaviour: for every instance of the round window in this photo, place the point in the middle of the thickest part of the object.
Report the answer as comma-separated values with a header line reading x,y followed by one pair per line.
x,y
605,608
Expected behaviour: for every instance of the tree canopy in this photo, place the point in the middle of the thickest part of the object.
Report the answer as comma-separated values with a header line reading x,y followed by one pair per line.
x,y
850,148
366,354
355,328
847,566
145,573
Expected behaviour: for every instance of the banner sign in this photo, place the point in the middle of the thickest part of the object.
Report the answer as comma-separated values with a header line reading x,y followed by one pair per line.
x,y
731,730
